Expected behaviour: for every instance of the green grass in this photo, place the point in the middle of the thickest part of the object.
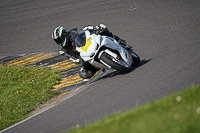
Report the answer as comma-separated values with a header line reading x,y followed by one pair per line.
x,y
22,89
177,113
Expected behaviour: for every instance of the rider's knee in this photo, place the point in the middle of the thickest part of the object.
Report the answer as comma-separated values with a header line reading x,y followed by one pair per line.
x,y
86,74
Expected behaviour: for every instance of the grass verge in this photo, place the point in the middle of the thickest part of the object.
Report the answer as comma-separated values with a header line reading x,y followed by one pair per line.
x,y
177,113
22,89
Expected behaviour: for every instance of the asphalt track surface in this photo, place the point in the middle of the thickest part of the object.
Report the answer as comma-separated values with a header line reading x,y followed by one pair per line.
x,y
165,34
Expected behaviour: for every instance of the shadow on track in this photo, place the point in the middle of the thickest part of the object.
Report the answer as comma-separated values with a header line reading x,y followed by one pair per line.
x,y
115,73
142,62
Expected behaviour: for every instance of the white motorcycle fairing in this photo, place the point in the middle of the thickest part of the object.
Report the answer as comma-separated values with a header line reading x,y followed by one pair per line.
x,y
91,47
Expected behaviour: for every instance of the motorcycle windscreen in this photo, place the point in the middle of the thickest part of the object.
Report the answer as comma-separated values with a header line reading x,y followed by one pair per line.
x,y
80,40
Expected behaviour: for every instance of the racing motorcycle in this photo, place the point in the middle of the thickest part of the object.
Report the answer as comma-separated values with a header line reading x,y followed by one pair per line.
x,y
105,52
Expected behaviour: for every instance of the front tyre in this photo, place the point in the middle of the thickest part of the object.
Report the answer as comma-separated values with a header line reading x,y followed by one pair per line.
x,y
113,63
136,59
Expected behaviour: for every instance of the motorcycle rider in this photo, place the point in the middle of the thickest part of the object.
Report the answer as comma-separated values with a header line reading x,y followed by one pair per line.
x,y
67,47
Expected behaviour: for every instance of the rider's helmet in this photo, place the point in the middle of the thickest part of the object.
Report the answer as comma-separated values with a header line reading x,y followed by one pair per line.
x,y
60,36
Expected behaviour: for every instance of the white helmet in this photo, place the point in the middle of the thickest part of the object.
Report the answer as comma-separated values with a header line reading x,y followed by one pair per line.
x,y
60,36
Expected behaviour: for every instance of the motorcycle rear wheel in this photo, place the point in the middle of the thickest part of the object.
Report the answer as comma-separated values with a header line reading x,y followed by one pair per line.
x,y
108,59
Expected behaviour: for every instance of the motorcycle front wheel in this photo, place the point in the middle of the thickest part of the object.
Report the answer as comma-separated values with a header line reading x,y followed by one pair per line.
x,y
119,65
136,59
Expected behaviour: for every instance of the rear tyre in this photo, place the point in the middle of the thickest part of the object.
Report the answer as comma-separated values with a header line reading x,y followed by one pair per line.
x,y
108,59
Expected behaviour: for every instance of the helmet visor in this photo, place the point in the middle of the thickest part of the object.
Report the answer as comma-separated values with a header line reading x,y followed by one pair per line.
x,y
59,40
